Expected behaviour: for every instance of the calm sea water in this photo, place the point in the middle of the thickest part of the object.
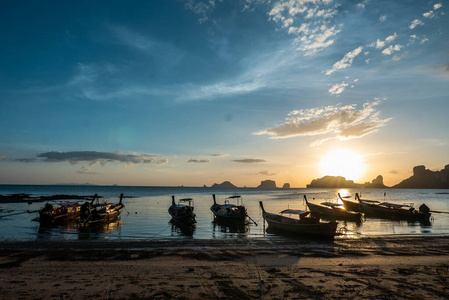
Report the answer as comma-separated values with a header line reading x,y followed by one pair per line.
x,y
146,217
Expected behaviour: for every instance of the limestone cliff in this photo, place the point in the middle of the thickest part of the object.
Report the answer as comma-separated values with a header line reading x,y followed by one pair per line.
x,y
426,179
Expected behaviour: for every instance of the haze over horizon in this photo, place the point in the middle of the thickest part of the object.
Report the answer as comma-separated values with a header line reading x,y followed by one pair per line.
x,y
190,92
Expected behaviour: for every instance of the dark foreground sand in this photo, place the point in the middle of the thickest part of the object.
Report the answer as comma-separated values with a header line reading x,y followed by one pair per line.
x,y
377,268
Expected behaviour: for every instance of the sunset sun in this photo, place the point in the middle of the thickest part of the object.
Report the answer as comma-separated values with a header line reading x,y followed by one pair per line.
x,y
342,162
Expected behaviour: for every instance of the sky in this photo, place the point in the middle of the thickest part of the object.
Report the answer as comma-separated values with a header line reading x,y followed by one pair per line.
x,y
190,92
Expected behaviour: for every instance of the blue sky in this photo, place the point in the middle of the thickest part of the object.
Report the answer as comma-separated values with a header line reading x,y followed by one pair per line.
x,y
197,92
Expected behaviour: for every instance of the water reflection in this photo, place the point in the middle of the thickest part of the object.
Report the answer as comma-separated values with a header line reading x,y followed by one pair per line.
x,y
182,230
229,228
98,230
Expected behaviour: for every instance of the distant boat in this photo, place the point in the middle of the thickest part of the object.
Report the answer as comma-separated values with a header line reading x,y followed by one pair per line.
x,y
182,213
230,213
100,211
334,211
307,225
393,211
60,213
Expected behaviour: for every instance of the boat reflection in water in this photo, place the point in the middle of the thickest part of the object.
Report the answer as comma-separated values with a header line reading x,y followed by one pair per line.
x,y
229,228
182,229
98,230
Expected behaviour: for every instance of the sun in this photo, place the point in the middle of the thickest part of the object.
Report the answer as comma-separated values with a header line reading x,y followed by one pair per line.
x,y
342,162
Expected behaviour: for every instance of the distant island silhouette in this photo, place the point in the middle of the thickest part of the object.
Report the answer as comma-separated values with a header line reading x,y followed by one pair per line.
x,y
265,184
426,179
341,182
421,179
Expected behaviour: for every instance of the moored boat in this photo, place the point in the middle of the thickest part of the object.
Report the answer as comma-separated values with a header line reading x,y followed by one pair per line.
x,y
182,212
97,212
228,212
334,211
393,211
307,225
60,213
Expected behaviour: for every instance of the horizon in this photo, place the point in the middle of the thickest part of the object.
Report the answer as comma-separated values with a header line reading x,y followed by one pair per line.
x,y
197,92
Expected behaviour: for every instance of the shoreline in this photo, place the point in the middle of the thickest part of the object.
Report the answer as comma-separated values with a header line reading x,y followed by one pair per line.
x,y
238,268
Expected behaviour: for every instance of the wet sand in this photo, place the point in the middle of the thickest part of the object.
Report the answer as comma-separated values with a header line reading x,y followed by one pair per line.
x,y
239,268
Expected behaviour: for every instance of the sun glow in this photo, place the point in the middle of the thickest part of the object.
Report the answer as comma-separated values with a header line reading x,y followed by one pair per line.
x,y
341,162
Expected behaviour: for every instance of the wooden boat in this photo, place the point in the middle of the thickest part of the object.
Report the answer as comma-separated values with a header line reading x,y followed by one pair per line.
x,y
100,211
334,211
61,213
307,225
229,213
393,211
182,213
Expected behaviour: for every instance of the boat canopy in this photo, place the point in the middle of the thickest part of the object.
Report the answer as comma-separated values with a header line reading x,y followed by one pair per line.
x,y
185,200
331,204
294,212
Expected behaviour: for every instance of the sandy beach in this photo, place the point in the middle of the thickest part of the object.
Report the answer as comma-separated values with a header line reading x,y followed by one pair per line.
x,y
373,268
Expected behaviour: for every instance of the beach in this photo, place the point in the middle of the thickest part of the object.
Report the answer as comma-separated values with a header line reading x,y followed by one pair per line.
x,y
236,268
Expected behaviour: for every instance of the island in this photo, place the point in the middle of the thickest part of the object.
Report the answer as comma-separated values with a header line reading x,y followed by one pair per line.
x,y
267,184
341,182
426,179
422,178
224,184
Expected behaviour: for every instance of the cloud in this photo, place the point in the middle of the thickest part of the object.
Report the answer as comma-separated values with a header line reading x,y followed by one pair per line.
x,y
200,8
162,161
338,88
26,160
309,21
198,161
381,44
390,50
94,157
394,172
219,155
431,14
249,160
266,173
416,23
346,61
383,18
145,44
342,122
86,170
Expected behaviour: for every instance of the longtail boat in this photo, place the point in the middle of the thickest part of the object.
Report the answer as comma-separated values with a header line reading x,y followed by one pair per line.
x,y
97,212
307,225
228,212
182,212
334,211
393,211
60,213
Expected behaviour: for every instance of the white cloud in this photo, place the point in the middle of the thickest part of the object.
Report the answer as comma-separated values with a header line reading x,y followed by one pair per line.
x,y
438,6
338,88
314,31
381,44
390,50
342,122
383,18
200,8
416,23
346,61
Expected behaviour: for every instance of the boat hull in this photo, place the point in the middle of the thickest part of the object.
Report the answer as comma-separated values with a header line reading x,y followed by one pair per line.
x,y
183,215
376,211
319,230
336,213
221,216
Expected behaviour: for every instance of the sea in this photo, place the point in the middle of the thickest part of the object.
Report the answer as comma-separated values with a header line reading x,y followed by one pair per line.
x,y
146,214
